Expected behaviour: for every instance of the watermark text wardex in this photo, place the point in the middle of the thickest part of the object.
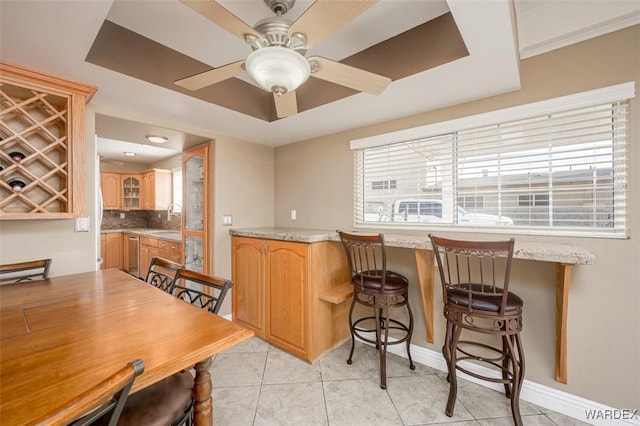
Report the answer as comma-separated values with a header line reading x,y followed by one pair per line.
x,y
613,414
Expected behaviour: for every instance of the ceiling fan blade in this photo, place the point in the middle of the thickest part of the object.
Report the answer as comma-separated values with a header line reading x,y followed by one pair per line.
x,y
286,104
348,76
207,78
219,15
325,17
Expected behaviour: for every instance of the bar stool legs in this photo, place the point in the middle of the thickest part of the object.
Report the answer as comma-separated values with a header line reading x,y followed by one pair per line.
x,y
511,359
383,324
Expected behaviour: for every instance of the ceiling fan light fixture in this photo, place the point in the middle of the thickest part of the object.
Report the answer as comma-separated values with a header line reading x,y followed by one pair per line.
x,y
278,69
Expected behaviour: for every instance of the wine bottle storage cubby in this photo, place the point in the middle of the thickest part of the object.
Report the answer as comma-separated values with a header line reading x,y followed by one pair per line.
x,y
41,145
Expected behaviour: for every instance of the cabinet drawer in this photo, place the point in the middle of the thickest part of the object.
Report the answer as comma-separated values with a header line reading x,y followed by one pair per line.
x,y
170,255
169,245
148,241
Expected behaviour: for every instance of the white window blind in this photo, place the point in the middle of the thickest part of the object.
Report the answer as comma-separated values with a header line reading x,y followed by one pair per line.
x,y
558,173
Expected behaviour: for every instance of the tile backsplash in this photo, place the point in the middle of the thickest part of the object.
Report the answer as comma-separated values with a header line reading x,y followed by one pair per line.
x,y
157,219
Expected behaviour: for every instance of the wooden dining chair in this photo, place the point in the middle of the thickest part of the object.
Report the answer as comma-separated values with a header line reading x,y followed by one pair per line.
x,y
379,289
25,271
475,286
202,290
101,404
162,272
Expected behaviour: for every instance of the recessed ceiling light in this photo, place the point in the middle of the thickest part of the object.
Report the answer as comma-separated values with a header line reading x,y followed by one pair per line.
x,y
156,138
129,154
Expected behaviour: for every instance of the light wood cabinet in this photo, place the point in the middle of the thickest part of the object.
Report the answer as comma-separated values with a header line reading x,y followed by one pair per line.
x,y
42,171
110,187
276,293
196,208
151,247
248,276
170,250
130,191
112,250
156,189
151,190
148,249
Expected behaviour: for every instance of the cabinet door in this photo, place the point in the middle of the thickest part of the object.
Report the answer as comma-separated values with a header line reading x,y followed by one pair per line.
x,y
163,189
131,192
110,186
286,293
148,191
248,283
113,251
148,249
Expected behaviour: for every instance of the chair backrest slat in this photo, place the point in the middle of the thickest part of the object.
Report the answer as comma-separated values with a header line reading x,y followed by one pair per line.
x,y
204,291
162,273
474,268
366,256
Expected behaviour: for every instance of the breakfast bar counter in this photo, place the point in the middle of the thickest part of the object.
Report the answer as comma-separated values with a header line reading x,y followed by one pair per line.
x,y
564,257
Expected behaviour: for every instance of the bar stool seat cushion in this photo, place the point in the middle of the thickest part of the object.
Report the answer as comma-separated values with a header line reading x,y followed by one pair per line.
x,y
373,281
160,403
484,301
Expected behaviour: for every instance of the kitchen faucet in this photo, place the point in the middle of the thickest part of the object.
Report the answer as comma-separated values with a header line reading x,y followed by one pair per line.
x,y
170,212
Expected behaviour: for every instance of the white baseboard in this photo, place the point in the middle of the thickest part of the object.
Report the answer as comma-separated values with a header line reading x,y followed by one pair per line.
x,y
543,396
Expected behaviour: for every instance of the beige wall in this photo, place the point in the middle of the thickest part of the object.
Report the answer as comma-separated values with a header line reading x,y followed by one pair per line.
x,y
34,239
315,177
243,176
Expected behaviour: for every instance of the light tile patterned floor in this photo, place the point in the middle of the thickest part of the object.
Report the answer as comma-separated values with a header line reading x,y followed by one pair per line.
x,y
255,383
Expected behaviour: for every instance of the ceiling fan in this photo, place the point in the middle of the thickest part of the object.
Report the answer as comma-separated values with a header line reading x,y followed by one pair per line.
x,y
277,62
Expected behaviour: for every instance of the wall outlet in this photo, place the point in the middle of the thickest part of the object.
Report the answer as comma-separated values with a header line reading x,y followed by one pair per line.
x,y
294,215
121,215
227,220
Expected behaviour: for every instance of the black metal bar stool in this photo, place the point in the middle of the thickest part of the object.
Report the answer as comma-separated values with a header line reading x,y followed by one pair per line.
x,y
475,285
376,287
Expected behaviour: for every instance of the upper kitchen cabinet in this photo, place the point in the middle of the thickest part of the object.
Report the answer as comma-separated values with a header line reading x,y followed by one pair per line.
x,y
42,153
110,186
150,190
196,208
156,189
131,192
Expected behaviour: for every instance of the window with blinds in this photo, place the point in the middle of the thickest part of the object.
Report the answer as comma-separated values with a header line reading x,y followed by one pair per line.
x,y
563,172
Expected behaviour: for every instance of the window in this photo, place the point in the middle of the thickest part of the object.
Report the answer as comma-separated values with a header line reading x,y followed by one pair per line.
x,y
383,184
471,201
553,167
533,200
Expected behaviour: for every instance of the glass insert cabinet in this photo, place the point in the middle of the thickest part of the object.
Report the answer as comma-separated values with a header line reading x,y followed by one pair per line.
x,y
130,192
196,208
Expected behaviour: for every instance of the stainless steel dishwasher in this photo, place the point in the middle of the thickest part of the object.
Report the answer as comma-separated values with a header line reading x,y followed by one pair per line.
x,y
134,255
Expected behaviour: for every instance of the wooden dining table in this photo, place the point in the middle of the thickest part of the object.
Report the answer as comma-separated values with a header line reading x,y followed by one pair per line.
x,y
60,336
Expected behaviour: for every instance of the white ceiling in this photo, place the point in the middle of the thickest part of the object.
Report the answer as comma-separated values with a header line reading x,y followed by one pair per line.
x,y
55,36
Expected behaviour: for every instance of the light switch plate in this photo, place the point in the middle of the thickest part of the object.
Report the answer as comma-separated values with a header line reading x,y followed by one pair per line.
x,y
294,215
82,224
227,220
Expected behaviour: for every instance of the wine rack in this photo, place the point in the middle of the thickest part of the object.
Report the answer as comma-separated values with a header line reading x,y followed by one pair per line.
x,y
41,145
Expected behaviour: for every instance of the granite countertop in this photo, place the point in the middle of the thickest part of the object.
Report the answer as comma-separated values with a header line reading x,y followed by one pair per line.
x,y
162,234
545,252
